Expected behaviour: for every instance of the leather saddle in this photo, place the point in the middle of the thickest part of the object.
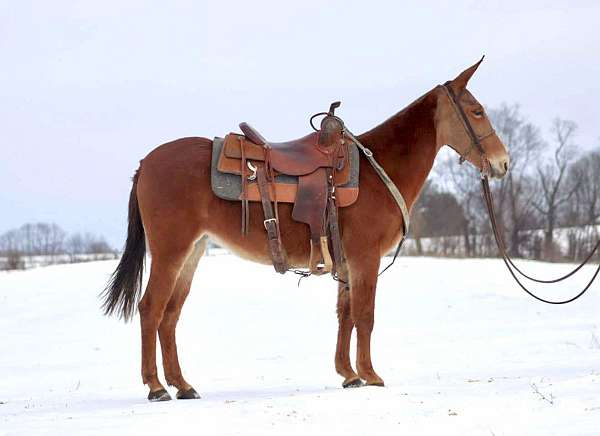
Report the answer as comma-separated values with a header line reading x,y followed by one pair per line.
x,y
320,162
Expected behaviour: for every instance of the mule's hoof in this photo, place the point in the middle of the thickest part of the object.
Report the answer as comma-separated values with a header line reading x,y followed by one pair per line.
x,y
189,394
159,395
376,383
352,383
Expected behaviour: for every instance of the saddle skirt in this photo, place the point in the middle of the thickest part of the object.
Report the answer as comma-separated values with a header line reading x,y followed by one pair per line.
x,y
226,170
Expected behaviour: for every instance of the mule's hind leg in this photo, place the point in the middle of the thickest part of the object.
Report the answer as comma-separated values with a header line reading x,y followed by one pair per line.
x,y
166,265
342,351
166,330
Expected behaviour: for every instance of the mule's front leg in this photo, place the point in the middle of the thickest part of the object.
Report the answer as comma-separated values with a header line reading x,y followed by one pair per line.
x,y
363,281
342,351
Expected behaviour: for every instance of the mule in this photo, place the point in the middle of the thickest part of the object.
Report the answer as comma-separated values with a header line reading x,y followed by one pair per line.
x,y
173,211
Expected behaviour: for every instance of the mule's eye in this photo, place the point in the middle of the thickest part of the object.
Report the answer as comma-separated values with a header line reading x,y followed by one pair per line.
x,y
478,113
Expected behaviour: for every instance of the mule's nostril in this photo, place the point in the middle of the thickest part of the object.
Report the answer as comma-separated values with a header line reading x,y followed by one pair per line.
x,y
505,165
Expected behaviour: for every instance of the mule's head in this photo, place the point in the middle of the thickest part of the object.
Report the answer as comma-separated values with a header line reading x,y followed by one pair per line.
x,y
462,124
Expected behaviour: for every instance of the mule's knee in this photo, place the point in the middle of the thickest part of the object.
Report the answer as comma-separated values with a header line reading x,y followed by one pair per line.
x,y
363,321
343,307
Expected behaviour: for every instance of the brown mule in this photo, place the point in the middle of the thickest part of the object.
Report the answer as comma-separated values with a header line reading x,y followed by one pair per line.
x,y
173,207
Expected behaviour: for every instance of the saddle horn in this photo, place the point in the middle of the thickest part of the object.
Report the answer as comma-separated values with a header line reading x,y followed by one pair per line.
x,y
333,107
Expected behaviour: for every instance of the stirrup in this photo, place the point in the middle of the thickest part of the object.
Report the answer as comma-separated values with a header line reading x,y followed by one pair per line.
x,y
320,260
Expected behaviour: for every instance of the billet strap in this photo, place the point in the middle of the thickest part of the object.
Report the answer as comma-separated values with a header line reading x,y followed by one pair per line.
x,y
396,194
339,263
271,224
245,206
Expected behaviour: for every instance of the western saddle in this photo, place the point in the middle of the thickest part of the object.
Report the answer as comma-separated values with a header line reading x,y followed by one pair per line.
x,y
321,164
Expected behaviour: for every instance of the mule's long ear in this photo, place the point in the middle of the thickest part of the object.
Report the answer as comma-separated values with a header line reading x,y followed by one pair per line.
x,y
460,83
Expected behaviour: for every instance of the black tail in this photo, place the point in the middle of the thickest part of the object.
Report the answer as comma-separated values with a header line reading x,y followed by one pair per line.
x,y
125,285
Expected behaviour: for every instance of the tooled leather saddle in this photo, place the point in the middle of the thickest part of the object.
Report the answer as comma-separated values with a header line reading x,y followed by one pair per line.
x,y
317,173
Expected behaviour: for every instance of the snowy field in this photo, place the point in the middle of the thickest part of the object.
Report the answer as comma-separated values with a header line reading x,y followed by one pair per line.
x,y
462,351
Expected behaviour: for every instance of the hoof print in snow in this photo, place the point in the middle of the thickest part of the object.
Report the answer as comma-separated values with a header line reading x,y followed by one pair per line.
x,y
159,395
352,383
452,413
189,394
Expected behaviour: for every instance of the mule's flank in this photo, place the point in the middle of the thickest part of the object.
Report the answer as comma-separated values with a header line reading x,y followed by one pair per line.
x,y
125,285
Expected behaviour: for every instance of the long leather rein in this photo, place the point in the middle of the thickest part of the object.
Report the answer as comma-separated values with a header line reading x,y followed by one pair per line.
x,y
489,202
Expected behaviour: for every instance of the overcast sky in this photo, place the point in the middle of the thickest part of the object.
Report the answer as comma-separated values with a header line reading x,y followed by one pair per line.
x,y
89,88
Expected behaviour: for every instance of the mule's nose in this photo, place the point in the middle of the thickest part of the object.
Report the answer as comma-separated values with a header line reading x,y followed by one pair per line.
x,y
500,167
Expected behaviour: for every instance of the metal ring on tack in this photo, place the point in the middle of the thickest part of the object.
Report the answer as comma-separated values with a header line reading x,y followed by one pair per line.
x,y
252,168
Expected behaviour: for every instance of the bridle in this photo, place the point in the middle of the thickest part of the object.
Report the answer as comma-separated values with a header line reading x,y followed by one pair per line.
x,y
489,202
476,140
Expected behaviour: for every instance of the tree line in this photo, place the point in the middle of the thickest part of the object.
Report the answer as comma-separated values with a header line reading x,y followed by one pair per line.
x,y
548,204
49,242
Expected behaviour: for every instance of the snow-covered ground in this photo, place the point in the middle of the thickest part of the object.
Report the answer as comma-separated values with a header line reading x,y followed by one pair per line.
x,y
462,351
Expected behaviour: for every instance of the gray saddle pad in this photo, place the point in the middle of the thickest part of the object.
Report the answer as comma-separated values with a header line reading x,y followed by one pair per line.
x,y
229,186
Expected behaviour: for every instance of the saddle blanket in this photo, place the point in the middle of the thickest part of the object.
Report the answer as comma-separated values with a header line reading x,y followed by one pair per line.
x,y
227,184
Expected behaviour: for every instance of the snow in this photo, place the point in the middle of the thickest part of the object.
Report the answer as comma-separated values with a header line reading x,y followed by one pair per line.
x,y
462,351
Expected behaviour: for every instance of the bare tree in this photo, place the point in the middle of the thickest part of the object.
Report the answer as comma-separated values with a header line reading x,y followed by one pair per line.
x,y
514,192
583,210
74,246
11,249
465,185
584,179
551,177
48,240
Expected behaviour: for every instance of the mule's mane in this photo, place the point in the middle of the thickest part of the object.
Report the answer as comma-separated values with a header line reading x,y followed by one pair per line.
x,y
398,125
405,144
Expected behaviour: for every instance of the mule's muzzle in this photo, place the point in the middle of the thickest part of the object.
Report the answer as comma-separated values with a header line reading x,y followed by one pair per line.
x,y
499,167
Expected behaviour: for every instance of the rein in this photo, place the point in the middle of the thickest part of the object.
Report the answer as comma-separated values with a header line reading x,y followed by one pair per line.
x,y
487,195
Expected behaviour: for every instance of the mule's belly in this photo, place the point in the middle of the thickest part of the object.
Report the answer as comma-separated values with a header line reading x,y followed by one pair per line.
x,y
178,207
253,246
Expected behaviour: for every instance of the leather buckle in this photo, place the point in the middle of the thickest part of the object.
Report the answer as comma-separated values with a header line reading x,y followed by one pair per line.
x,y
252,168
268,220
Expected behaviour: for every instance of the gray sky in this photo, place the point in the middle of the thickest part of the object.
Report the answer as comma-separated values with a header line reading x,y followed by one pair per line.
x,y
89,88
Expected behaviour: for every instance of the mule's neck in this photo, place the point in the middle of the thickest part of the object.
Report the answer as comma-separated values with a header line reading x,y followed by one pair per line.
x,y
405,145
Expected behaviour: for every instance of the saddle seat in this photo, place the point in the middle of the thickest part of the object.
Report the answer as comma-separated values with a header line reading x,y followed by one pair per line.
x,y
298,157
287,176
